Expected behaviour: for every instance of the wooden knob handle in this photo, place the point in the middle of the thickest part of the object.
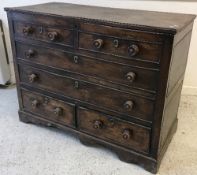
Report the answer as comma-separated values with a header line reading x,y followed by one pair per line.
x,y
53,36
98,124
27,30
33,78
58,111
34,103
30,53
133,50
126,134
130,76
128,105
98,43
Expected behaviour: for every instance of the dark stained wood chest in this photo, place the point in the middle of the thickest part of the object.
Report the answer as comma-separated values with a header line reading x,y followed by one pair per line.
x,y
112,76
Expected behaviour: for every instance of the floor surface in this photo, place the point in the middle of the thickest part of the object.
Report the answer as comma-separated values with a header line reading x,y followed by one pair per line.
x,y
26,149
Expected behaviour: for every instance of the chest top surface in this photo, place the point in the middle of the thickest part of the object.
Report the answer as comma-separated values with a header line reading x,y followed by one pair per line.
x,y
166,22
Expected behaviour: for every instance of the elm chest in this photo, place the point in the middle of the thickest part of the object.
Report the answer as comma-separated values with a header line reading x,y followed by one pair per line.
x,y
112,76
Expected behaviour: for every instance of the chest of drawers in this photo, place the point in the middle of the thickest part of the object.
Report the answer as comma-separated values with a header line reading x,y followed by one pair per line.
x,y
112,76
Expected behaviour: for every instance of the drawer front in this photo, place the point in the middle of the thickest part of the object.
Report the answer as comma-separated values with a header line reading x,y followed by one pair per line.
x,y
114,130
44,20
54,35
111,99
123,33
120,47
130,76
49,108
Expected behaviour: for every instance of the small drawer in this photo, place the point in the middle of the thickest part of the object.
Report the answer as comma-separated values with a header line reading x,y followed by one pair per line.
x,y
138,78
123,133
54,35
49,108
105,97
129,49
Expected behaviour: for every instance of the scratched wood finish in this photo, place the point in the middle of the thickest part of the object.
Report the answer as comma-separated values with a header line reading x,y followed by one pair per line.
x,y
49,108
146,51
117,73
91,93
62,37
112,76
118,32
43,20
108,128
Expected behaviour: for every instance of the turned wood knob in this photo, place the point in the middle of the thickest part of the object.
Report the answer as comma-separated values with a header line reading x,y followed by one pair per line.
x,y
126,134
133,50
128,105
58,111
33,78
30,53
34,103
130,76
98,124
98,43
53,36
27,30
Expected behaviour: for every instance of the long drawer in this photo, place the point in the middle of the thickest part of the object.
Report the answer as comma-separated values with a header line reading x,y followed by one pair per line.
x,y
140,78
115,130
114,100
49,108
